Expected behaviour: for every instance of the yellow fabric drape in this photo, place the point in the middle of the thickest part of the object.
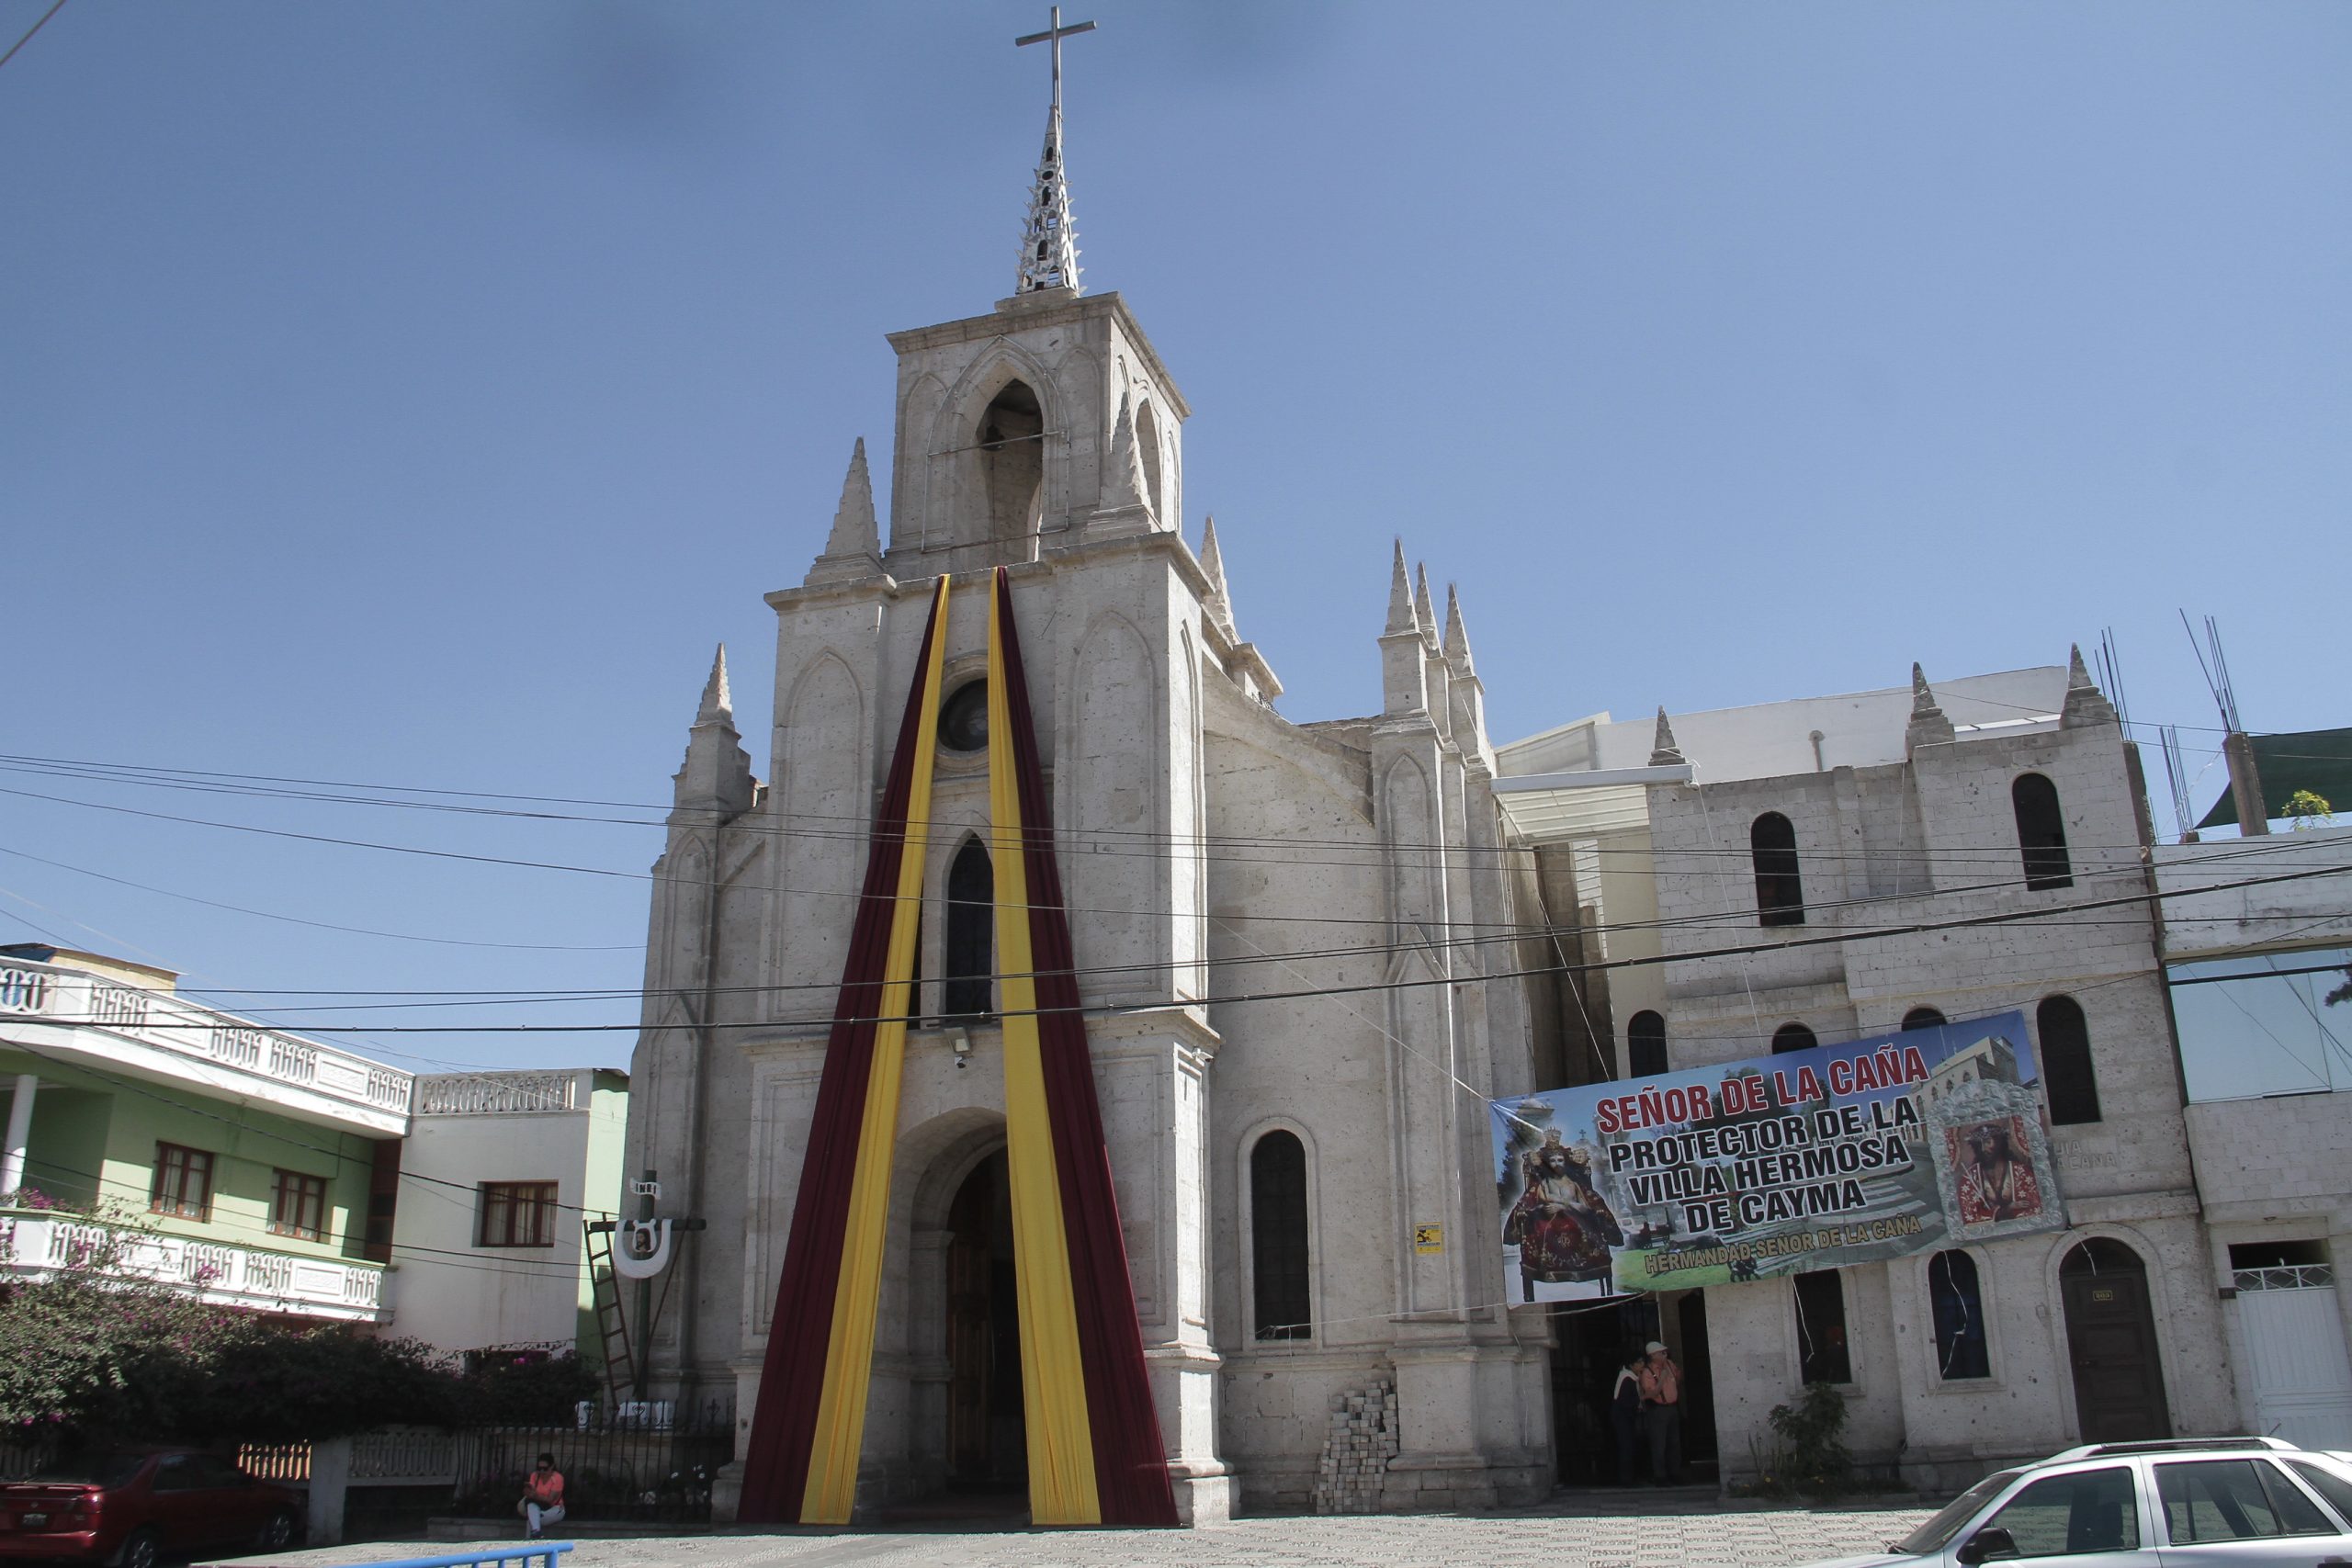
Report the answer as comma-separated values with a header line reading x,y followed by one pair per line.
x,y
1053,1374
831,1488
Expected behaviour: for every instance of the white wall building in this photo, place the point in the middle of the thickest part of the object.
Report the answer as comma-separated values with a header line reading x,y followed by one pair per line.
x,y
503,1169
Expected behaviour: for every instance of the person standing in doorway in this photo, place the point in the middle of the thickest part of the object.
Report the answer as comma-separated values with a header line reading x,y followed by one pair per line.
x,y
1661,1384
1625,1415
542,1501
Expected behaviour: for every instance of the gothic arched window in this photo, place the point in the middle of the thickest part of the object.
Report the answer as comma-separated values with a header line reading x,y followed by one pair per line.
x,y
1278,1236
1922,1018
1780,890
1792,1037
2041,832
2066,1075
1957,1306
970,959
1644,1045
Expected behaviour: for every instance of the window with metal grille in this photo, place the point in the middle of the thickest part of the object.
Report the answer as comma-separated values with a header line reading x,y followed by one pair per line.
x,y
1278,1236
517,1213
181,1184
1780,887
2041,832
1821,1328
297,1206
2066,1075
970,958
1644,1045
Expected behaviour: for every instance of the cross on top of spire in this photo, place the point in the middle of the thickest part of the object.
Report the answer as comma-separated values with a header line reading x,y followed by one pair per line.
x,y
1048,240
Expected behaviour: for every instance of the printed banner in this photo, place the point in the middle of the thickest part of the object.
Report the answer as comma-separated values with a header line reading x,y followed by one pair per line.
x,y
1822,1158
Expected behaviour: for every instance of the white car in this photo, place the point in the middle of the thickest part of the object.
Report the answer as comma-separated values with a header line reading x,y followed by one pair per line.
x,y
2200,1503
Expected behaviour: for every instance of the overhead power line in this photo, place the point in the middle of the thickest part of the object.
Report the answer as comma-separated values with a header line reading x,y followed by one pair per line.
x,y
854,828
1118,1010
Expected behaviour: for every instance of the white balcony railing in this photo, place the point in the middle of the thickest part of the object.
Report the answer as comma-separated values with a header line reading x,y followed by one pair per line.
x,y
40,1242
167,1022
493,1094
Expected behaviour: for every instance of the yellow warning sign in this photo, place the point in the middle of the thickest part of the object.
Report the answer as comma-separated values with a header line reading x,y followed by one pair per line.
x,y
1429,1238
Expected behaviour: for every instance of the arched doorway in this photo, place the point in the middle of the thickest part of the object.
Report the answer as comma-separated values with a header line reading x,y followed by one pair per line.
x,y
988,1447
2111,1342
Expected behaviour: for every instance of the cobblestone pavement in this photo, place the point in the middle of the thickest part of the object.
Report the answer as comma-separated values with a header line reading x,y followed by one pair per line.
x,y
1562,1536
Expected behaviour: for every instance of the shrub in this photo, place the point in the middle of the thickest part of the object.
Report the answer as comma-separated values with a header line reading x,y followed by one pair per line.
x,y
1811,1456
526,1387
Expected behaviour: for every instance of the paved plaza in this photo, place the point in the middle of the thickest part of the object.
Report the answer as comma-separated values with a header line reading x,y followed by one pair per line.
x,y
1563,1535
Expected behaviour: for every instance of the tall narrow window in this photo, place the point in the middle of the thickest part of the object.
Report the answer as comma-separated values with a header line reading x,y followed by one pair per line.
x,y
2041,832
1922,1018
1792,1037
1780,890
1957,1305
1278,1236
1644,1045
182,1185
971,939
1821,1328
2066,1076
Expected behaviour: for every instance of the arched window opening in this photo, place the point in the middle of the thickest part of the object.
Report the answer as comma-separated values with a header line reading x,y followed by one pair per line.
x,y
1922,1018
1792,1037
1147,451
1644,1045
2041,832
1822,1352
1780,890
2066,1075
1278,1236
1957,1305
970,959
1011,439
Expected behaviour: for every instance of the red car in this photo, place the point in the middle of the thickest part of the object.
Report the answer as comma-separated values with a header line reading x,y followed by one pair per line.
x,y
128,1509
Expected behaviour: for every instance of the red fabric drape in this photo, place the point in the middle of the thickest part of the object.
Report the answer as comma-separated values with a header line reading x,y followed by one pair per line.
x,y
792,1377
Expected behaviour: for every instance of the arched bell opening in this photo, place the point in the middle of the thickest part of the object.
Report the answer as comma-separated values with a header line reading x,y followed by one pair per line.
x,y
1010,440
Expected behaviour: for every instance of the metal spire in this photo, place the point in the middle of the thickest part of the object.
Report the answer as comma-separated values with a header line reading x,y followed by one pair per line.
x,y
1049,240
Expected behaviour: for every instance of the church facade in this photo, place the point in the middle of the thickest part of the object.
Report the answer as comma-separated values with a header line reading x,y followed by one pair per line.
x,y
1300,1176
1305,956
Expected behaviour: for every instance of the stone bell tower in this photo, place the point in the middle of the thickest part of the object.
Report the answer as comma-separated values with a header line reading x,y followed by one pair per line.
x,y
1045,436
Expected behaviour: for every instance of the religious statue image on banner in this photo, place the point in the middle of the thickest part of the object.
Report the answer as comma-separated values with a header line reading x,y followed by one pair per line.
x,y
1561,1224
1558,1228
1992,1153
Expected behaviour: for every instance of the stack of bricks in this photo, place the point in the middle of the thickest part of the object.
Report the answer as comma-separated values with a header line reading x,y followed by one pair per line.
x,y
1356,1451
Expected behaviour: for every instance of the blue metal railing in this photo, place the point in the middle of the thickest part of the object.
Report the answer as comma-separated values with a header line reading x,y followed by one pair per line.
x,y
490,1554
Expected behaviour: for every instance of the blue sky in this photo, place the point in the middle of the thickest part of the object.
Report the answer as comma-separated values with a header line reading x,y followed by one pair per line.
x,y
413,394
